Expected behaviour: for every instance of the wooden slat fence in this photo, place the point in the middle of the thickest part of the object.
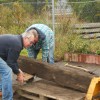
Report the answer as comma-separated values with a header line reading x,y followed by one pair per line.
x,y
88,30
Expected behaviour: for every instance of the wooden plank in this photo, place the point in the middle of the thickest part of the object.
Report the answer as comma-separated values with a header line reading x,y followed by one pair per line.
x,y
51,90
91,36
27,96
87,25
43,97
27,77
95,30
64,76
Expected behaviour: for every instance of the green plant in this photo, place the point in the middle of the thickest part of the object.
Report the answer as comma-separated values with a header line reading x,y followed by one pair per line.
x,y
6,19
24,52
98,52
87,11
16,17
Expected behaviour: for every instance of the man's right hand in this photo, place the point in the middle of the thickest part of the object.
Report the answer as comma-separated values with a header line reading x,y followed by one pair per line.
x,y
20,76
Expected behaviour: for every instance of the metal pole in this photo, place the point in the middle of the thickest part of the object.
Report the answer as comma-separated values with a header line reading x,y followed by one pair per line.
x,y
53,16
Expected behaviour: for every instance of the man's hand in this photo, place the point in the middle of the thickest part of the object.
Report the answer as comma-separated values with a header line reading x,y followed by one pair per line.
x,y
20,76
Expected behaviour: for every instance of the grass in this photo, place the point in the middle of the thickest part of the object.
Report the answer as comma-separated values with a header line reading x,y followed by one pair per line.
x,y
25,53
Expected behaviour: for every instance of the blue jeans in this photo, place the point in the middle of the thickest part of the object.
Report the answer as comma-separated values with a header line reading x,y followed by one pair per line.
x,y
33,54
6,80
50,58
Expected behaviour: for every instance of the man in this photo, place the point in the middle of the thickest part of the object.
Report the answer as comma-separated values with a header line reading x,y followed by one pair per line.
x,y
45,41
10,48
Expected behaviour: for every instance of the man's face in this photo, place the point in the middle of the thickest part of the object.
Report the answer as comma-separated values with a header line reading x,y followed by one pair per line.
x,y
29,41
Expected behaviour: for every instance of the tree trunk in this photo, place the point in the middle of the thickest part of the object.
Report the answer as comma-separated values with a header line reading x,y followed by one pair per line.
x,y
61,75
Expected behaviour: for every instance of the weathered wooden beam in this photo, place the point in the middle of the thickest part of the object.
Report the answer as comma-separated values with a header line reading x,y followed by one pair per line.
x,y
64,75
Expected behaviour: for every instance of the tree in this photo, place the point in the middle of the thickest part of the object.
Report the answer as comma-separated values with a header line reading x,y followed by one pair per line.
x,y
38,5
87,11
7,1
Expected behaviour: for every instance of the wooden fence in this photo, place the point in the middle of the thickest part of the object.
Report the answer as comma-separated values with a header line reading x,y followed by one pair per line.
x,y
88,30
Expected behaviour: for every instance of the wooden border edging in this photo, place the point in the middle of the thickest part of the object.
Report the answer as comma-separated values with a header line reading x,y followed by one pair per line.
x,y
83,58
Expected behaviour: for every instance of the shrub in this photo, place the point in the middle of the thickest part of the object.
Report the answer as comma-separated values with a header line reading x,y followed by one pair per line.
x,y
98,52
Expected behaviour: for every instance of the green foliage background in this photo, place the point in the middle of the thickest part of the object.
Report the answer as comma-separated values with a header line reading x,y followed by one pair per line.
x,y
16,17
87,10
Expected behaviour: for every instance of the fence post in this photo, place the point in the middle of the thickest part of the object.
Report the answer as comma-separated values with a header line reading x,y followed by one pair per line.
x,y
53,16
